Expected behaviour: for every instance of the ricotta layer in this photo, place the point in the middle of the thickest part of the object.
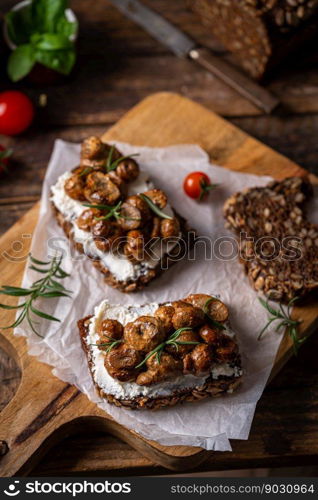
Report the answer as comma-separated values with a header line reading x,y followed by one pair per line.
x,y
119,265
130,390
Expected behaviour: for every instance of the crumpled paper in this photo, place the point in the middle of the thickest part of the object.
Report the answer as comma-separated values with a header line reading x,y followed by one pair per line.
x,y
208,424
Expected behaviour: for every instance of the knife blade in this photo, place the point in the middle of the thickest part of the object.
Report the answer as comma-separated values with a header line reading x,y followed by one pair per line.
x,y
183,46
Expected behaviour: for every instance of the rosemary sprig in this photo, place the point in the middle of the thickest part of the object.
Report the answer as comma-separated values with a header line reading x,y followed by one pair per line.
x,y
172,340
154,207
46,287
109,345
111,164
285,321
215,323
113,211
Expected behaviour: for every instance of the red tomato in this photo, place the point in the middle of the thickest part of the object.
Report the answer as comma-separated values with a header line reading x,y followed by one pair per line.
x,y
16,112
4,158
197,185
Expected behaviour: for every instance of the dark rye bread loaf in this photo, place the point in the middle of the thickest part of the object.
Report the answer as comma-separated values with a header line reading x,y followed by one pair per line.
x,y
259,32
278,246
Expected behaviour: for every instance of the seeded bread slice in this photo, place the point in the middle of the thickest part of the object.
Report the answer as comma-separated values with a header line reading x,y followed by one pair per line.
x,y
210,388
278,246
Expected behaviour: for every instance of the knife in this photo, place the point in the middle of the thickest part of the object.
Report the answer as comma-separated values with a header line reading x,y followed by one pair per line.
x,y
183,46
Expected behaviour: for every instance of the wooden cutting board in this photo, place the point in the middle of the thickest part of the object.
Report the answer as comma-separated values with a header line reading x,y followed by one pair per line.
x,y
45,409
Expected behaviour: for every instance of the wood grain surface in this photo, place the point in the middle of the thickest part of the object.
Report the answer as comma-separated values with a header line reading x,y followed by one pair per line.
x,y
55,409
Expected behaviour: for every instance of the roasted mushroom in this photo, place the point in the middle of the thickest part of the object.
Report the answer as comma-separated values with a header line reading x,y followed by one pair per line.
x,y
101,189
227,351
134,213
157,196
134,248
169,228
107,235
216,309
155,231
186,315
87,218
144,334
128,170
185,342
121,363
110,329
198,361
95,153
165,314
161,370
74,187
210,334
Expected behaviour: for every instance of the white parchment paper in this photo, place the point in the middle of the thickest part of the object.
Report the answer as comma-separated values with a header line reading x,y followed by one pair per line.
x,y
210,423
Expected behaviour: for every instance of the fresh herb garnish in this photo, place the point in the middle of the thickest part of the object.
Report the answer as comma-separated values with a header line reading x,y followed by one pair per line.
x,y
285,321
172,340
113,211
154,207
111,164
109,345
42,34
206,312
46,287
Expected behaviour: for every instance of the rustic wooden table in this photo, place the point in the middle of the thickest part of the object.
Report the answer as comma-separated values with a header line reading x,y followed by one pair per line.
x,y
118,65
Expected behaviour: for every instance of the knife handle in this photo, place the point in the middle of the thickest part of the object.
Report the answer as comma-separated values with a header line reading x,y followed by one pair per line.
x,y
244,85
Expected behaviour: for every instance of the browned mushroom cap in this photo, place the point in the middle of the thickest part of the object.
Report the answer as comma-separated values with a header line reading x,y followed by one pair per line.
x,y
165,314
198,361
157,196
216,309
87,219
210,334
158,371
155,228
74,187
121,361
122,186
101,189
107,235
93,148
128,170
144,334
134,247
130,217
227,351
186,315
182,349
110,329
169,227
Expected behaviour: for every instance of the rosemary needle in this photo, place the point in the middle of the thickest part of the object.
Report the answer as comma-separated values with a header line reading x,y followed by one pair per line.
x,y
46,287
285,321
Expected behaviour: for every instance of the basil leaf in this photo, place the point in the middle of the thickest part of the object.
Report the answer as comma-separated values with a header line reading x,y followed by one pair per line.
x,y
65,27
19,25
46,14
51,41
20,62
61,61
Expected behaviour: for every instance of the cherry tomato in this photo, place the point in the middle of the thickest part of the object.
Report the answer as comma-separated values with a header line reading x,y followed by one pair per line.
x,y
16,112
197,185
4,158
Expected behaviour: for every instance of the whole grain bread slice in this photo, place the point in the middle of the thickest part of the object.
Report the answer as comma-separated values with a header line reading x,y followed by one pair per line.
x,y
277,244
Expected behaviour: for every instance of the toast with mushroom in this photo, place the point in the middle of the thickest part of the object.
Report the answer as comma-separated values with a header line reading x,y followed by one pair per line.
x,y
278,245
153,356
112,213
